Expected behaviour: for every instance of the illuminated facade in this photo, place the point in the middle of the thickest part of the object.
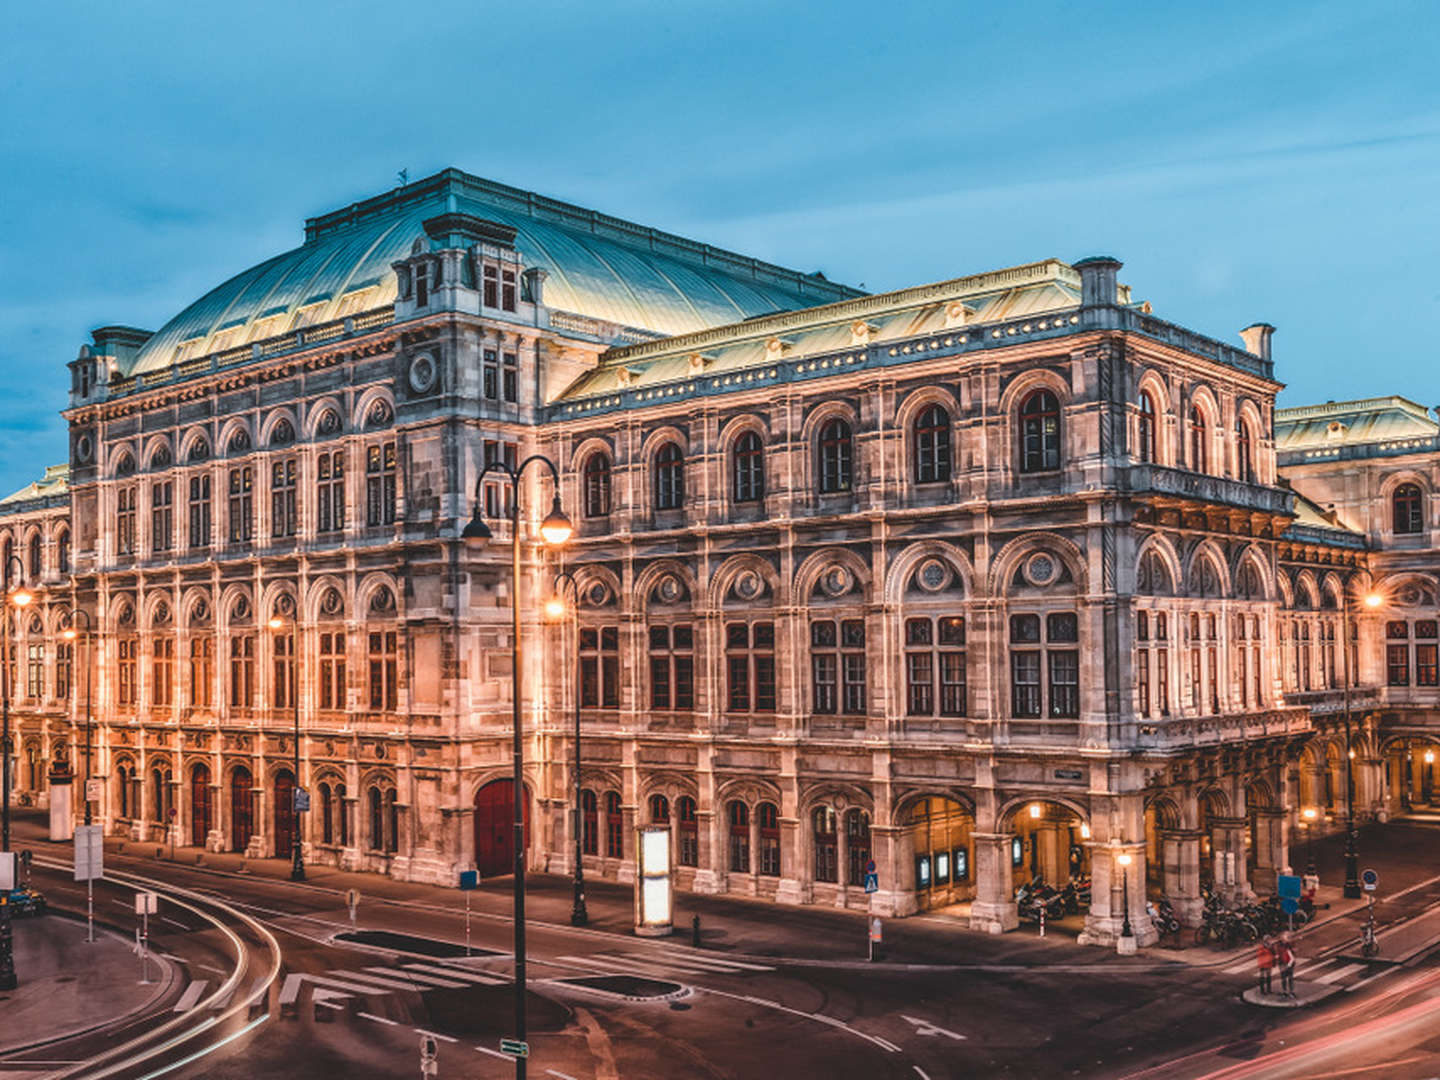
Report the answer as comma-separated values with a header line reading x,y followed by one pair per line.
x,y
982,580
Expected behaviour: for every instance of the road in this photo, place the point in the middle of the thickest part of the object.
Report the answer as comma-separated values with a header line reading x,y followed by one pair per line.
x,y
662,1009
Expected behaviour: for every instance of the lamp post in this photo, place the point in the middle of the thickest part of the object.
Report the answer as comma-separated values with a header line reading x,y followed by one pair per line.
x,y
1352,854
70,634
555,609
297,851
1124,860
1307,822
19,597
555,530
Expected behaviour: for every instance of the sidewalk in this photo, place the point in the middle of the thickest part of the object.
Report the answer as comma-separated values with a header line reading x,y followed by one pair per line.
x,y
69,986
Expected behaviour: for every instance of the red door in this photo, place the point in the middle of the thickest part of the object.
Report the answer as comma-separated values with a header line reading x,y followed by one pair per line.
x,y
495,828
284,814
199,805
242,808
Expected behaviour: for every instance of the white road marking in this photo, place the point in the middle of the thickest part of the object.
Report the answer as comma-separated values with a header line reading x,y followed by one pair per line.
x,y
456,973
921,1073
882,1043
723,967
174,922
379,1019
182,960
1340,973
610,965
697,958
192,994
212,970
1244,965
437,1035
925,1027
494,1053
350,983
382,981
415,978
562,1076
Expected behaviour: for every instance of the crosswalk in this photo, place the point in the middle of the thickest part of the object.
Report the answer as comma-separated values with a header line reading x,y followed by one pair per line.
x,y
1342,971
654,964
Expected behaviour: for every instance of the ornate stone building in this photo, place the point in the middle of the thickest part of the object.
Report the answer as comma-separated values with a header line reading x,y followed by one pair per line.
x,y
982,580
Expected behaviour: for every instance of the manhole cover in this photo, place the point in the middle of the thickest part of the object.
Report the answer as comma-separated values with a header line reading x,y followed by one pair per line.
x,y
630,987
408,943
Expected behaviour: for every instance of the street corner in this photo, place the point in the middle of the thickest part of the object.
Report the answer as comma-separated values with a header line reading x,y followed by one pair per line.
x,y
1305,994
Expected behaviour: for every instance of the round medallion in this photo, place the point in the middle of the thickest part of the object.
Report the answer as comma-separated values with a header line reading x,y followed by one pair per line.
x,y
162,613
597,594
749,585
837,581
934,575
329,422
422,374
331,603
1040,570
84,449
200,611
668,591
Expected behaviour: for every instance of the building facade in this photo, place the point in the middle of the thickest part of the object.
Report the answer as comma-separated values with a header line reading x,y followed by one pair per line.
x,y
997,578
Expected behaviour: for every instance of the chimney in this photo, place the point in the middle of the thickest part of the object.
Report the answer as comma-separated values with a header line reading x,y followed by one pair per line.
x,y
1097,280
1257,339
534,281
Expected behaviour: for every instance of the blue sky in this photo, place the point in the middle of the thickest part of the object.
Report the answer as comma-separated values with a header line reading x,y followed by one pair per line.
x,y
1248,162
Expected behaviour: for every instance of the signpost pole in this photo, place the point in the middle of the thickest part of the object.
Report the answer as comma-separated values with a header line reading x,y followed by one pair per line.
x,y
467,922
90,911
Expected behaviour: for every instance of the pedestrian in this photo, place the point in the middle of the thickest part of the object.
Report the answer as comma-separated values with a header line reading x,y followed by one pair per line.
x,y
1265,961
1285,957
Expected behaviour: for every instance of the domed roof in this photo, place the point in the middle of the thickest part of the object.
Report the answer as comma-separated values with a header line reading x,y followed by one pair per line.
x,y
598,266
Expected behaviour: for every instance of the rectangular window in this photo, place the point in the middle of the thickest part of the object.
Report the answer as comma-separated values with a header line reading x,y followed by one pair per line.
x,y
129,649
837,663
1028,698
490,374
934,650
491,279
1162,680
750,666
332,671
283,686
1064,683
1397,664
384,689
600,667
162,515
242,505
64,658
125,521
162,666
672,667
511,376
282,498
1196,679
200,510
330,492
1142,681
507,290
34,671
1212,674
380,484
242,671
202,671
1025,683
1256,672
1425,671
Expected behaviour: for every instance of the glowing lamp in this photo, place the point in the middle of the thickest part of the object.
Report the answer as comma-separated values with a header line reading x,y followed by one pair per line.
x,y
1123,858
556,528
1429,757
554,608
1308,813
21,597
1035,810
68,633
1374,600
1084,831
276,622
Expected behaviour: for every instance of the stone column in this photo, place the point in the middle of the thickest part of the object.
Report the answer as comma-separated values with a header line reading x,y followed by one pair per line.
x,y
1180,860
993,909
893,857
1271,854
1106,918
710,874
1227,845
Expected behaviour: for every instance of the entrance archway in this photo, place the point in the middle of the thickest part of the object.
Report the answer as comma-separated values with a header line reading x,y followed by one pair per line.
x,y
284,813
938,833
495,827
1048,842
1412,774
242,808
200,804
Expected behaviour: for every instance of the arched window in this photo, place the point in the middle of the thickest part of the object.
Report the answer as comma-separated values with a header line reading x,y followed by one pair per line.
x,y
1040,432
122,786
327,814
614,826
589,823
826,844
659,810
1199,459
748,469
932,445
669,477
342,814
62,551
392,818
36,557
377,821
834,456
857,843
739,815
1244,452
767,817
1145,445
689,830
1406,502
597,485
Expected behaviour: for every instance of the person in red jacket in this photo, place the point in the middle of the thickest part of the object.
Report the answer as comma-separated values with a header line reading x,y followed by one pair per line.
x,y
1285,957
1265,961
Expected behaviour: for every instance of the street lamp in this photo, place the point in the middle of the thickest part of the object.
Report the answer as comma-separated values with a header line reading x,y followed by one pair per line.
x,y
70,634
555,529
1124,860
19,597
555,610
297,851
1307,822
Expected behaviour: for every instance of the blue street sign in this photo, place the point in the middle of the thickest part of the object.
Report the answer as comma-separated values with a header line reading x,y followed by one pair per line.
x,y
1370,879
469,879
1289,905
872,883
1287,885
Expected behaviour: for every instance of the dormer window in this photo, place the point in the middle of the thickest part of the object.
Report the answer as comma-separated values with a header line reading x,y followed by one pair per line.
x,y
491,297
507,290
422,285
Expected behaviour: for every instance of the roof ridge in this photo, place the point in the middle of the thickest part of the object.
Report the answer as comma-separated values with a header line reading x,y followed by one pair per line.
x,y
1332,408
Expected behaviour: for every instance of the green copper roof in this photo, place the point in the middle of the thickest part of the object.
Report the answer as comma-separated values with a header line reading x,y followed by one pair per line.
x,y
1352,423
599,266
56,481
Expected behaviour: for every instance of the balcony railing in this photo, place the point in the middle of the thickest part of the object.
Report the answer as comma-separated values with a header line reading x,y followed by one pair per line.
x,y
1185,731
1332,700
1219,490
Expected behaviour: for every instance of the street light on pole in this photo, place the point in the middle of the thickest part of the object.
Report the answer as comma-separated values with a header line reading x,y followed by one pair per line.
x,y
555,529
1352,854
70,634
18,597
1124,860
1307,822
555,610
297,851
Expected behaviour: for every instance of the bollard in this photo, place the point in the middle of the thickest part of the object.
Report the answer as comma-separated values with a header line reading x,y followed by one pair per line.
x,y
695,931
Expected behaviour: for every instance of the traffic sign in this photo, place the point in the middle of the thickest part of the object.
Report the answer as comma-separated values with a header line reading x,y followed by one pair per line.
x,y
302,800
872,882
515,1048
1288,885
870,866
1289,905
146,903
1369,879
94,790
469,879
89,852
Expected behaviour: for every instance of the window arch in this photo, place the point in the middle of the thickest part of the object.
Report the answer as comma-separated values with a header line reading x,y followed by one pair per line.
x,y
688,827
767,817
827,845
597,485
614,826
1040,432
589,822
1199,432
835,456
1244,451
669,477
747,469
857,844
1145,448
1406,504
659,810
932,445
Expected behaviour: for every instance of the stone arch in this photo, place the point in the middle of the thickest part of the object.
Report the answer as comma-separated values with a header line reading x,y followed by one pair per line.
x,y
157,453
905,801
657,438
123,615
598,586
368,594
731,571
834,793
196,609
160,611
274,426
1013,553
817,565
1160,550
374,410
236,607
1410,590
1259,794
122,460
650,578
1213,803
1165,810
1207,553
673,785
318,604
911,558
588,446
195,446
1153,382
236,437
1251,559
1391,480
278,598
747,789
1307,591
1021,387
1015,803
1332,591
328,410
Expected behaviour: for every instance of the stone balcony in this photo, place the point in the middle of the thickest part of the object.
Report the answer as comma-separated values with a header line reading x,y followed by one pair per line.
x,y
1182,486
1185,732
1332,700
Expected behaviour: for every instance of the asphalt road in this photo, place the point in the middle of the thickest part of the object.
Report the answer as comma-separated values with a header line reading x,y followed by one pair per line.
x,y
985,1009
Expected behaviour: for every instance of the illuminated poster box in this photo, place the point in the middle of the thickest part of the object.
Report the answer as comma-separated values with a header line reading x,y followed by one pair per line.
x,y
654,898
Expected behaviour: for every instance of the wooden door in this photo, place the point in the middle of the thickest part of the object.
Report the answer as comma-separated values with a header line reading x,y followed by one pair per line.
x,y
242,808
199,805
495,830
